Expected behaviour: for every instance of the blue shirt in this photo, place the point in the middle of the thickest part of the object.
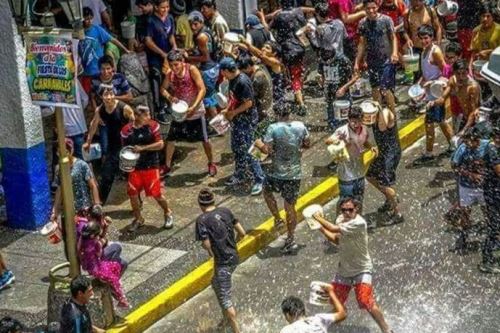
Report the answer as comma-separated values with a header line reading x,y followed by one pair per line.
x,y
471,160
159,31
119,82
286,140
91,49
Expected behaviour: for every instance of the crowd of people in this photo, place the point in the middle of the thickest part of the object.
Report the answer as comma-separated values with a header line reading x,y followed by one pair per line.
x,y
128,88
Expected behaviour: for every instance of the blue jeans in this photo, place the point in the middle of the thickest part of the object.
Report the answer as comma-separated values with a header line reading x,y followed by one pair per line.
x,y
241,140
103,139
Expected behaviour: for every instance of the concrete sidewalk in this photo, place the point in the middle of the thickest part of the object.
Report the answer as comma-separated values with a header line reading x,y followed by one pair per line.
x,y
421,286
157,257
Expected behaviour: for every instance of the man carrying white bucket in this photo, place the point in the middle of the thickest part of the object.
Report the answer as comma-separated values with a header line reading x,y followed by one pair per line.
x,y
144,136
355,264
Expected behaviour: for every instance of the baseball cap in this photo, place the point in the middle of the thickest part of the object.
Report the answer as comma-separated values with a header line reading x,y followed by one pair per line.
x,y
195,16
227,63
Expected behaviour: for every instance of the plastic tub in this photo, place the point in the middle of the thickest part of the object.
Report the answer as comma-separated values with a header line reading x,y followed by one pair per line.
x,y
308,213
411,62
128,29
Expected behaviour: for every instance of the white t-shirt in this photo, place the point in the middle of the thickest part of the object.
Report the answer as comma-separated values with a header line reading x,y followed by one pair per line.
x,y
353,168
318,323
97,7
354,257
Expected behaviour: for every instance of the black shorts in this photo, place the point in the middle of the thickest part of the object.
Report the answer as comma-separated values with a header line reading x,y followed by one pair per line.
x,y
436,114
189,131
287,188
383,168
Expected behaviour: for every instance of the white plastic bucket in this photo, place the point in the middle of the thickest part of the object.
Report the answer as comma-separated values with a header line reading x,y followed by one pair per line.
x,y
179,111
128,159
477,66
308,213
257,153
221,100
93,153
411,62
416,92
447,8
220,124
437,87
341,109
370,111
301,35
317,295
128,29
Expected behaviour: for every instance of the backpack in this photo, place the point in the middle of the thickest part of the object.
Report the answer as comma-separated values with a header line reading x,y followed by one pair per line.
x,y
432,15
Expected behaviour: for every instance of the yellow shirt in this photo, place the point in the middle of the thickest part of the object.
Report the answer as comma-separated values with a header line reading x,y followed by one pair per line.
x,y
183,28
486,40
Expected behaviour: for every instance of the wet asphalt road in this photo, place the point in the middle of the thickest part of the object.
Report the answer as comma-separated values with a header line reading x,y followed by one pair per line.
x,y
420,284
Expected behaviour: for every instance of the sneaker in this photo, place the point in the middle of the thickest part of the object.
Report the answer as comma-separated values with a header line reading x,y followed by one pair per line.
x,y
212,169
7,279
489,268
450,150
397,218
256,189
301,110
385,207
136,224
165,171
161,117
289,246
169,222
332,166
233,181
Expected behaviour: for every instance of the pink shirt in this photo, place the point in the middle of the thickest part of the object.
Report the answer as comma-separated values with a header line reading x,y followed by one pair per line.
x,y
447,71
347,6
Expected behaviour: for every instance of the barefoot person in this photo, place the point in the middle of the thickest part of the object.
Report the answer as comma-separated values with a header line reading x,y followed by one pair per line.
x,y
295,313
144,135
355,264
215,228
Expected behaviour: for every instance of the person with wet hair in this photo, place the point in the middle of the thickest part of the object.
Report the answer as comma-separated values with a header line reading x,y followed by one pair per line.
x,y
112,114
464,94
144,136
284,141
355,264
184,82
215,229
75,316
432,65
469,164
351,171
294,310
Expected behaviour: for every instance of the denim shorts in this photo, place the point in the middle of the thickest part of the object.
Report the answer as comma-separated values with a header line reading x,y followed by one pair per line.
x,y
435,114
352,188
383,76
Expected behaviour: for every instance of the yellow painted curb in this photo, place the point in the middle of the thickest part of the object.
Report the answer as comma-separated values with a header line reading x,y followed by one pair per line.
x,y
199,278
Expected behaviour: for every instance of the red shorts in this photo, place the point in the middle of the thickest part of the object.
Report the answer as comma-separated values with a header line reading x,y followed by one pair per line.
x,y
296,72
147,180
465,39
364,291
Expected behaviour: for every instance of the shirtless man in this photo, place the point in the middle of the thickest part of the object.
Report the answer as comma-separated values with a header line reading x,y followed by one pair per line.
x,y
464,93
419,14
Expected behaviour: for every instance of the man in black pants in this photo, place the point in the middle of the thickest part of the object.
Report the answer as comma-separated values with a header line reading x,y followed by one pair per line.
x,y
215,228
114,114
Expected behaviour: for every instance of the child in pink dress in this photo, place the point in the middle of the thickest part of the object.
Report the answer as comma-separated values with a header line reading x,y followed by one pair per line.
x,y
90,251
